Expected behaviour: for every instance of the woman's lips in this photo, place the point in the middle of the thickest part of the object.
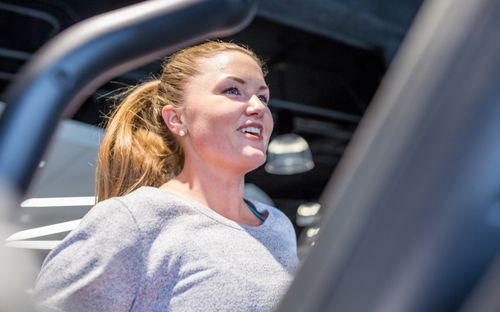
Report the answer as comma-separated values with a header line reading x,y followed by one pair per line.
x,y
251,131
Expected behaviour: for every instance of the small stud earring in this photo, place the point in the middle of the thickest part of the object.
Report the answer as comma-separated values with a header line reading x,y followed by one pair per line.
x,y
182,132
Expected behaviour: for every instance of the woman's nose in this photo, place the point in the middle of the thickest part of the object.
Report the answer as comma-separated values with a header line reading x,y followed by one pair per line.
x,y
256,107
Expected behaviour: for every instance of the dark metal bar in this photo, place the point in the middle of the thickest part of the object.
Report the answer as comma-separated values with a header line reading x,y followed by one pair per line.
x,y
76,62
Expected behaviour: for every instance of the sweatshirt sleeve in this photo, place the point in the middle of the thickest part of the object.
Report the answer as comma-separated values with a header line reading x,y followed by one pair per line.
x,y
97,267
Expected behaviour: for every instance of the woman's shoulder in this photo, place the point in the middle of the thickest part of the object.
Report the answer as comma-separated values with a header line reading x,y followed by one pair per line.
x,y
149,205
115,225
144,195
121,207
105,245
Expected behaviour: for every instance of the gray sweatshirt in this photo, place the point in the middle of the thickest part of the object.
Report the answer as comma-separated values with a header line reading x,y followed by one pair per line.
x,y
157,251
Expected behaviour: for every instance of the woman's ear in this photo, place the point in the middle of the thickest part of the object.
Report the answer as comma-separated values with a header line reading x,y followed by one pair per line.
x,y
172,119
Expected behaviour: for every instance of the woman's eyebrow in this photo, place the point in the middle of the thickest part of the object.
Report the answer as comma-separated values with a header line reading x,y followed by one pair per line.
x,y
242,81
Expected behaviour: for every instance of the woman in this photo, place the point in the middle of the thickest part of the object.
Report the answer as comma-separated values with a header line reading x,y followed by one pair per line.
x,y
171,231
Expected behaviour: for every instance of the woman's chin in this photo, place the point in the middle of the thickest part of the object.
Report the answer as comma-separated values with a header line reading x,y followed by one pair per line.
x,y
253,161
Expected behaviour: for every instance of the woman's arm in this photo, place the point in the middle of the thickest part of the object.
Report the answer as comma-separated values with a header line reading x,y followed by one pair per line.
x,y
98,266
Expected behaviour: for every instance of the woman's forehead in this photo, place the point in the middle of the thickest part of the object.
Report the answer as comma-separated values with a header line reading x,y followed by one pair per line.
x,y
230,62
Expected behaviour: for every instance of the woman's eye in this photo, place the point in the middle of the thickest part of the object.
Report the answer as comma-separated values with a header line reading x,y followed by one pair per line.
x,y
263,98
233,91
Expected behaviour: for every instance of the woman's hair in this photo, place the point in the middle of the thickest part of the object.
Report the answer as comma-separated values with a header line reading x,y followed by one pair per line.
x,y
137,148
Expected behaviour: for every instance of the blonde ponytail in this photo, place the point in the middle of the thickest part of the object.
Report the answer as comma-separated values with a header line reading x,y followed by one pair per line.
x,y
137,148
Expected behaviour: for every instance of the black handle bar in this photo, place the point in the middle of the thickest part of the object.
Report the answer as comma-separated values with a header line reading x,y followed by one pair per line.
x,y
71,66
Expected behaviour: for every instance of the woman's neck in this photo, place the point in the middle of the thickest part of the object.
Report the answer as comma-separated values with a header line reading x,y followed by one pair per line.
x,y
221,192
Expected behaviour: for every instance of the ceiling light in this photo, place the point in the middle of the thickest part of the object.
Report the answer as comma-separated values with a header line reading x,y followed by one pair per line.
x,y
59,201
311,232
34,244
308,214
289,154
44,230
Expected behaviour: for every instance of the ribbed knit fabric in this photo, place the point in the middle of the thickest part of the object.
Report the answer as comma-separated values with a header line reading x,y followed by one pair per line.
x,y
157,251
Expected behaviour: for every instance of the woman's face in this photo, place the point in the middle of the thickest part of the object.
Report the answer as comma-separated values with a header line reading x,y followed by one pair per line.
x,y
226,114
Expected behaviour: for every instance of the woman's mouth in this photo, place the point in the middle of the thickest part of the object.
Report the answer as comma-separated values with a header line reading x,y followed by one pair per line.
x,y
252,131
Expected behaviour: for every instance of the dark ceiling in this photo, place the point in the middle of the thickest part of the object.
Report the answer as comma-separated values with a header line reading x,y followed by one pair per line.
x,y
325,58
